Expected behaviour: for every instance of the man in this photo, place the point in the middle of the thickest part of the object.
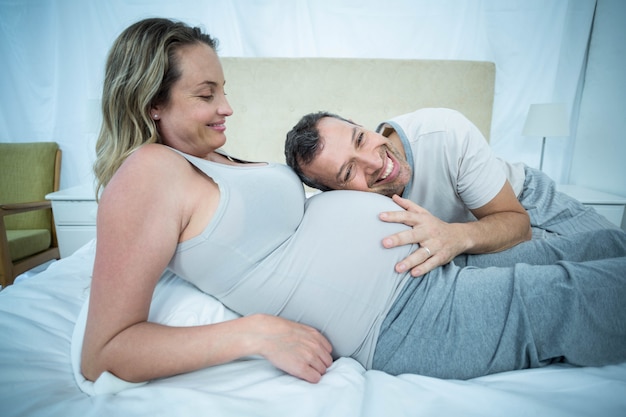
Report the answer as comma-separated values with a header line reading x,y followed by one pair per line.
x,y
457,195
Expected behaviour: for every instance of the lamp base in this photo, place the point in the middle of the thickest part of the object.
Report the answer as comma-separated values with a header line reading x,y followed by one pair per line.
x,y
543,147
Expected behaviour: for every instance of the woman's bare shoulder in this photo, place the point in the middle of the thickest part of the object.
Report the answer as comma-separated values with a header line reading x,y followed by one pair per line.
x,y
154,153
154,162
151,168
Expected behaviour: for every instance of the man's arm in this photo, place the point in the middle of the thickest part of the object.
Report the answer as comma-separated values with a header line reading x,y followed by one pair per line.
x,y
502,223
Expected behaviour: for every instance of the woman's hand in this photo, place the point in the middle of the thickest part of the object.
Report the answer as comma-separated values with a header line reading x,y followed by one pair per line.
x,y
295,348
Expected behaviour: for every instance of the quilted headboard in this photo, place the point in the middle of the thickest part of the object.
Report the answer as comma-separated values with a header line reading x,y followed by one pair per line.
x,y
269,95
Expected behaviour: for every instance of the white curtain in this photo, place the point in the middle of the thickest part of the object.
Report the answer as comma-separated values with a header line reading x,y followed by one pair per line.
x,y
53,54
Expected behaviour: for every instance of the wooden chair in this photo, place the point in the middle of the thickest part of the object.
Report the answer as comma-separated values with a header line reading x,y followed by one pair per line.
x,y
28,171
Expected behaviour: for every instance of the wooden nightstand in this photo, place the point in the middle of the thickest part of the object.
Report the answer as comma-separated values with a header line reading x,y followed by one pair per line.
x,y
75,210
611,206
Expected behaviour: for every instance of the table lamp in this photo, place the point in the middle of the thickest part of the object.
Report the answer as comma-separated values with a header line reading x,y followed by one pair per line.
x,y
546,119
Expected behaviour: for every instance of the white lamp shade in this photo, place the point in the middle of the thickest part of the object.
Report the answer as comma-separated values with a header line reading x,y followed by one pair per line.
x,y
546,119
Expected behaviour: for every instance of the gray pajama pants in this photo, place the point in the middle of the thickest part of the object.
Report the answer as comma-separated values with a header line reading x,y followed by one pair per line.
x,y
500,314
552,212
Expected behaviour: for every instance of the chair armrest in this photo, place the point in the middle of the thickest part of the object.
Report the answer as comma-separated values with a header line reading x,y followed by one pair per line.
x,y
15,208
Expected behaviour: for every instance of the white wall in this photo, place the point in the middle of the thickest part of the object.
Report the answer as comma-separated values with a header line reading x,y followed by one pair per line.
x,y
599,157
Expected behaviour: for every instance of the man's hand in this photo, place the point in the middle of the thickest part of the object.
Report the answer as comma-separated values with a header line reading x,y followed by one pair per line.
x,y
501,224
440,242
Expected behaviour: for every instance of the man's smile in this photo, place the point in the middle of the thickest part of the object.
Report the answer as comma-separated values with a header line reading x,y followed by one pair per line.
x,y
387,170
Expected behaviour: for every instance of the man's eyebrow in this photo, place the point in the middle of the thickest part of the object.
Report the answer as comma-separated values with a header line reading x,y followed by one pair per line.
x,y
342,168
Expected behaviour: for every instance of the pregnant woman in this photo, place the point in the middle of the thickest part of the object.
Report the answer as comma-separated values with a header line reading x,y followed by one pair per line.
x,y
312,282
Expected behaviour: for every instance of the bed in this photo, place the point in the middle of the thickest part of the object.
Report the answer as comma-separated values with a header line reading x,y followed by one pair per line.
x,y
42,315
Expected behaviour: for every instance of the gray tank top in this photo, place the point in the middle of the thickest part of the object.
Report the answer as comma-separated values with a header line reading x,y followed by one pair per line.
x,y
324,266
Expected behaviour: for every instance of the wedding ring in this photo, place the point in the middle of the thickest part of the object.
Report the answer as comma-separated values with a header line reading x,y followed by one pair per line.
x,y
427,251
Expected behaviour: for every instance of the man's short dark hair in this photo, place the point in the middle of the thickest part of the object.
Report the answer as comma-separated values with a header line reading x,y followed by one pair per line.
x,y
303,144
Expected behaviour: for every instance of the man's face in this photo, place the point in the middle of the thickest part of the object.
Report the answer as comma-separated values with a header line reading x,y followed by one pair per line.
x,y
353,158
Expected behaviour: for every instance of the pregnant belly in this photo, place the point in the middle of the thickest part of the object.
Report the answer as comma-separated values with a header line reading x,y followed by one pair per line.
x,y
333,274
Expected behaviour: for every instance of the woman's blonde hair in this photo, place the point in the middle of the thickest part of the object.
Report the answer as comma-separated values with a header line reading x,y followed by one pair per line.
x,y
140,70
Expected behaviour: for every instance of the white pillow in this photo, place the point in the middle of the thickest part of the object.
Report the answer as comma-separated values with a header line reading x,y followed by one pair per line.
x,y
175,302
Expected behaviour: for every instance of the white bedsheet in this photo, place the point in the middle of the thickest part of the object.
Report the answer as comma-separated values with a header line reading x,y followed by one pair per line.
x,y
37,378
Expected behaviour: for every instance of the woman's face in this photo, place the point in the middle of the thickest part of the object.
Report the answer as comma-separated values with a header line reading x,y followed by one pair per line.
x,y
194,119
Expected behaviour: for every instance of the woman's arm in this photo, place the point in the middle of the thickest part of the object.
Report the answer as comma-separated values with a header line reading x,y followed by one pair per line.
x,y
144,211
